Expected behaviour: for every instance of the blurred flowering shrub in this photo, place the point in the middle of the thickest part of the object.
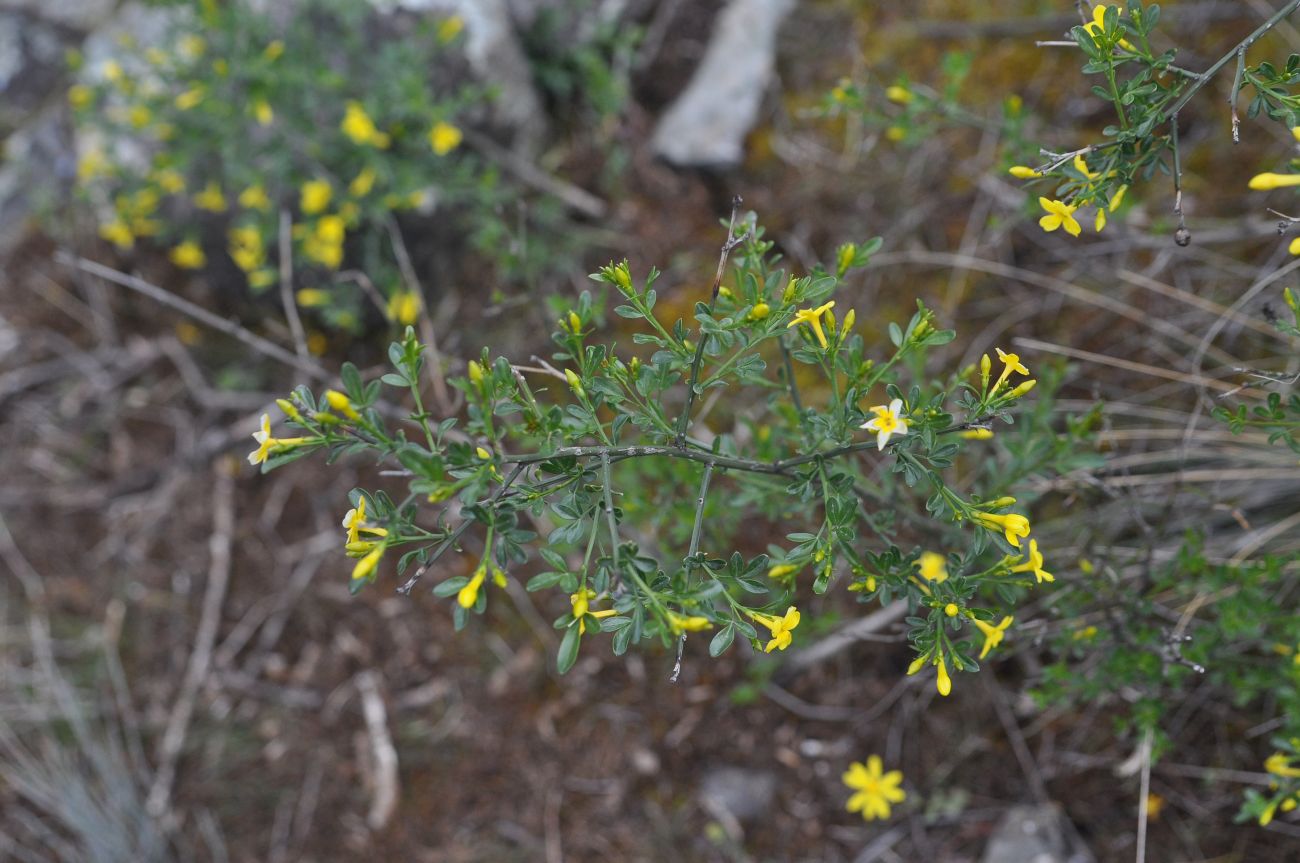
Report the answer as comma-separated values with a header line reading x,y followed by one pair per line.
x,y
198,145
835,436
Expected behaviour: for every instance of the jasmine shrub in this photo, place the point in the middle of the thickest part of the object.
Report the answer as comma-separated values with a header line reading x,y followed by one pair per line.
x,y
197,146
836,434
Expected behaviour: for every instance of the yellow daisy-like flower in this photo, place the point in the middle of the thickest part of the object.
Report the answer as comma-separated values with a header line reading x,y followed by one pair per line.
x,y
188,255
1012,525
813,318
780,627
992,634
874,789
887,422
444,137
1034,563
932,567
1059,214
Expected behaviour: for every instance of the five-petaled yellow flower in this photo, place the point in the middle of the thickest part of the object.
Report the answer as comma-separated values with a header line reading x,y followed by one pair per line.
x,y
1034,563
1013,525
875,789
266,443
444,137
992,634
813,318
1010,363
355,522
1059,214
781,627
932,567
887,422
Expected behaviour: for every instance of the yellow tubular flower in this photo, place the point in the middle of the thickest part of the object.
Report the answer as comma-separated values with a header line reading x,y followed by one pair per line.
x,y
1010,363
932,567
1294,247
341,403
1012,525
266,443
404,308
1022,388
1023,172
780,627
781,570
874,789
1268,182
680,623
888,421
1081,165
366,566
813,318
1279,764
1118,198
1101,220
468,595
992,634
942,681
444,137
581,608
1034,563
1059,214
976,434
1097,25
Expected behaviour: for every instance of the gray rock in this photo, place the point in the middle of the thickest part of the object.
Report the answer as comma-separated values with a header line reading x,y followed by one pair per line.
x,y
83,15
1035,834
707,124
738,794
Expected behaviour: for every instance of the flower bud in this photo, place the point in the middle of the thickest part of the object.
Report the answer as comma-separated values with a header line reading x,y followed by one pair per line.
x,y
977,434
759,312
951,609
339,402
289,410
986,365
575,322
1021,172
475,372
575,383
898,94
849,320
1023,388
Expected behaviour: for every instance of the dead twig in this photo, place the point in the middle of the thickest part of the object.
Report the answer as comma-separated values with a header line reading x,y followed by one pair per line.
x,y
384,802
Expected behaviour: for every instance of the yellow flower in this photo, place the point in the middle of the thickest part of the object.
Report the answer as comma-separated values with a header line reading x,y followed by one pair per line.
x,y
468,595
942,681
874,789
1034,563
366,566
1294,246
79,96
1013,525
341,403
1268,182
266,443
1059,214
888,421
1010,363
1021,172
262,112
449,28
1295,133
680,623
273,49
813,318
191,46
362,183
312,297
976,434
932,567
211,198
112,71
316,196
951,609
117,233
483,453
475,372
190,98
1097,26
188,255
895,133
91,165
898,94
255,198
355,522
1081,165
780,627
575,383
1101,220
1117,199
444,138
1022,388
581,602
170,181
759,312
404,308
781,570
992,634
246,247
1279,764
358,126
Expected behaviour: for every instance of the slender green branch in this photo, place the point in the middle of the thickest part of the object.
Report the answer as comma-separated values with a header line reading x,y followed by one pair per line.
x,y
699,512
609,509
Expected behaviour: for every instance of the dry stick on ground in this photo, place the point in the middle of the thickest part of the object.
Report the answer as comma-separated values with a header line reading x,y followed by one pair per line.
x,y
384,802
286,286
425,322
198,313
528,173
219,545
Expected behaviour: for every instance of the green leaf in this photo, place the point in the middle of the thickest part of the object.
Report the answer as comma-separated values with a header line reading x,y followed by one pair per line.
x,y
568,652
720,642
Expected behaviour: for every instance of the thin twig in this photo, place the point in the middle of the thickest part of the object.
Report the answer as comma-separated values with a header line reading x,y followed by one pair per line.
x,y
286,286
383,754
684,421
219,548
198,313
425,321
